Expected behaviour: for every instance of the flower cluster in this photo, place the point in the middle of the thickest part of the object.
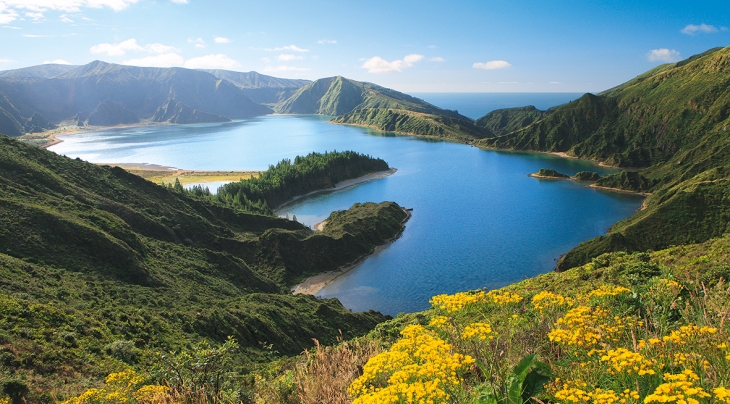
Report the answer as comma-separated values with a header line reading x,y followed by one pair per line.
x,y
722,394
438,322
607,290
419,368
456,302
688,332
503,297
548,300
122,387
622,360
585,327
679,388
479,331
581,393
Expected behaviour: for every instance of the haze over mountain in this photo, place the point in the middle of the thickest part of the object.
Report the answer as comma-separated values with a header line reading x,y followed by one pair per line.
x,y
103,94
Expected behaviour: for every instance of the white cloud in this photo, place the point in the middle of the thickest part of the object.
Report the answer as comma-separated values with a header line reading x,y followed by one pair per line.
x,y
492,65
56,62
11,27
159,48
692,29
118,49
292,48
285,57
221,39
7,15
437,59
510,82
266,60
36,36
663,55
3,61
121,48
219,61
66,5
326,42
64,18
180,1
199,42
270,69
377,64
162,60
35,16
554,82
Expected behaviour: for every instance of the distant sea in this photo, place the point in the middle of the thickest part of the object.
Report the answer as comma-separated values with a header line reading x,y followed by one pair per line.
x,y
476,105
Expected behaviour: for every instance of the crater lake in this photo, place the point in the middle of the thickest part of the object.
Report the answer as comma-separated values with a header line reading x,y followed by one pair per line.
x,y
478,220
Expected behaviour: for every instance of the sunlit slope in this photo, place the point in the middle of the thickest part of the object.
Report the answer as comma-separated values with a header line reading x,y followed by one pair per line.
x,y
642,122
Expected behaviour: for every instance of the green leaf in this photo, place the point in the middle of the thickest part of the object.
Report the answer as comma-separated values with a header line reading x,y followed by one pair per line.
x,y
514,394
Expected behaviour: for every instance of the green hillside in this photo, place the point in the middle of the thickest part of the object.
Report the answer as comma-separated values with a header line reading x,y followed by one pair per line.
x,y
503,121
100,269
337,96
672,121
417,123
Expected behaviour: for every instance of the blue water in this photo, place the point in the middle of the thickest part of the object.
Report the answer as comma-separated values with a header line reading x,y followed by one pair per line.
x,y
476,105
478,219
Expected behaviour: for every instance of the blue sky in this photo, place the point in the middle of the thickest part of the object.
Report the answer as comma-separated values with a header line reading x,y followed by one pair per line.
x,y
412,46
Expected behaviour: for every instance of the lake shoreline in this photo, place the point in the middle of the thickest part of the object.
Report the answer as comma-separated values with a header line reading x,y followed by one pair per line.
x,y
342,185
313,284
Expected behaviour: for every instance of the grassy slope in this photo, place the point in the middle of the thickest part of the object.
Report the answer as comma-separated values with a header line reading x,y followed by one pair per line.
x,y
338,95
403,121
503,121
90,255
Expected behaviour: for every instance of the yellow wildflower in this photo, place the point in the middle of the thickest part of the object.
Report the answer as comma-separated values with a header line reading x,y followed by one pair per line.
x,y
438,322
503,297
722,395
480,331
548,300
608,290
679,388
419,367
456,302
622,360
585,327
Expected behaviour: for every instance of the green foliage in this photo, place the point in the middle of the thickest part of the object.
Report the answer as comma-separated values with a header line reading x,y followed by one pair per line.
x,y
413,123
202,368
503,121
627,180
282,182
588,176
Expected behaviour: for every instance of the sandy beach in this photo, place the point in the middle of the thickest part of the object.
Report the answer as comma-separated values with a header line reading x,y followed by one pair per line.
x,y
342,185
315,283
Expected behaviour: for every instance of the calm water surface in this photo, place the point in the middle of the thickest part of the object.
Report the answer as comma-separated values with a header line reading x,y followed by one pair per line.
x,y
478,219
